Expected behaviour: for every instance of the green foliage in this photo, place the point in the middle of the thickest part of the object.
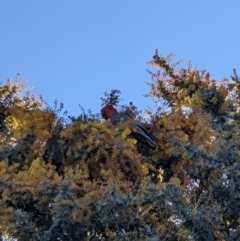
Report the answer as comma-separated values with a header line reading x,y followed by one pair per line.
x,y
80,178
111,98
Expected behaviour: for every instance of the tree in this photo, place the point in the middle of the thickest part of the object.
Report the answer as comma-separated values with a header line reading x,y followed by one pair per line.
x,y
80,178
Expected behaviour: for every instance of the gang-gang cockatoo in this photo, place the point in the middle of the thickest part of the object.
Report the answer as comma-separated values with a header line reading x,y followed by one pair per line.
x,y
109,112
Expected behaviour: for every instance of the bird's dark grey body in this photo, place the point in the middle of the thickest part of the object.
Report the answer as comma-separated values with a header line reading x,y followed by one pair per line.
x,y
136,128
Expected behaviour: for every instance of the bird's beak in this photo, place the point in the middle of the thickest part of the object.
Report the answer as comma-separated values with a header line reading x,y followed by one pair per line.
x,y
104,116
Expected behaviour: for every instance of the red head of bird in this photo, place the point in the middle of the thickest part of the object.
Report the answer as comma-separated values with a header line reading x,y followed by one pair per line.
x,y
108,111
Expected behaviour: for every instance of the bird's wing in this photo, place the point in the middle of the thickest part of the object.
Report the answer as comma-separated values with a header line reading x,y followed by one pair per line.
x,y
136,128
143,136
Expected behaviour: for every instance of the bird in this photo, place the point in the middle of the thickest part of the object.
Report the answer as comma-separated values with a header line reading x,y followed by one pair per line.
x,y
141,135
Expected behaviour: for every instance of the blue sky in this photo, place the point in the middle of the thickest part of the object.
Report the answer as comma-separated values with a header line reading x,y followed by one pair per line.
x,y
73,51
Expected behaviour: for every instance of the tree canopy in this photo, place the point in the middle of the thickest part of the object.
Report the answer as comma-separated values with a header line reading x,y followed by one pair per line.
x,y
80,178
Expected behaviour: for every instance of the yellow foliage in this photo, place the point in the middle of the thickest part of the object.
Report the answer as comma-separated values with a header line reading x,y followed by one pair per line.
x,y
146,167
125,133
184,138
160,175
176,181
90,157
214,100
35,123
109,234
183,234
5,217
29,181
